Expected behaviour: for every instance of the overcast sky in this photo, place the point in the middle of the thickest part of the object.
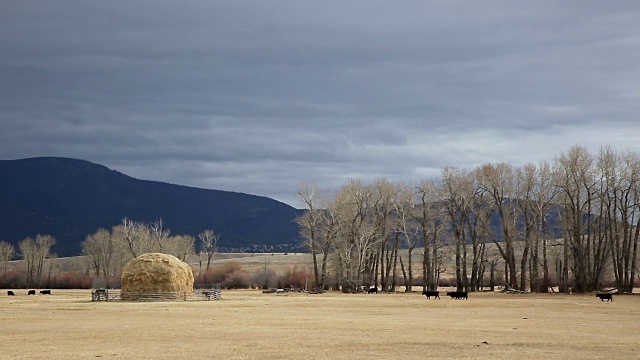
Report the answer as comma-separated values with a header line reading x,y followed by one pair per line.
x,y
259,96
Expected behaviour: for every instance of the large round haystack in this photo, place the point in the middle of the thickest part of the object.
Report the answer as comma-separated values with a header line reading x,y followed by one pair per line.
x,y
156,275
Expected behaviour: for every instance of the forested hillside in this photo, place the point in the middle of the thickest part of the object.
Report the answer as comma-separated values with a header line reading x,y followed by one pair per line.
x,y
69,199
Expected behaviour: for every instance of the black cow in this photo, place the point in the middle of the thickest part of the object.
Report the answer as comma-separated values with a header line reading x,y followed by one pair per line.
x,y
10,293
31,292
458,295
45,292
373,290
602,297
429,294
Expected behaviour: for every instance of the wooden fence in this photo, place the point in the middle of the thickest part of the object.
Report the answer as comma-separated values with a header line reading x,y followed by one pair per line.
x,y
116,294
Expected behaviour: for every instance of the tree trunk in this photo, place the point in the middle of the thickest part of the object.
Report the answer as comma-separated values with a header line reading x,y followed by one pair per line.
x,y
323,274
634,257
535,270
545,267
395,267
410,270
523,266
492,276
426,263
506,274
434,275
407,284
459,283
565,268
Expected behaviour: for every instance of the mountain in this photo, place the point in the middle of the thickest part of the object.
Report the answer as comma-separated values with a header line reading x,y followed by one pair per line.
x,y
69,199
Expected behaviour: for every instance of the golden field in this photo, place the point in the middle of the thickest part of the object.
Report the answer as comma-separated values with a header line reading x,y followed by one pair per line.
x,y
247,324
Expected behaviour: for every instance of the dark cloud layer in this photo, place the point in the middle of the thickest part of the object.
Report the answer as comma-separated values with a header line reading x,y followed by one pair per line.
x,y
257,96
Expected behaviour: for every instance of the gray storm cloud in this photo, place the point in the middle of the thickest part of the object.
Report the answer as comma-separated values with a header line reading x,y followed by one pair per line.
x,y
258,96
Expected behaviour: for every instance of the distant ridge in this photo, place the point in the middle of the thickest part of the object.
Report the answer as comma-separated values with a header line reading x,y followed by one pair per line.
x,y
70,198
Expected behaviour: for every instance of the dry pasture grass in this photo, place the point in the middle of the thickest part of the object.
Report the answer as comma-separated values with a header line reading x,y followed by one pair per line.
x,y
255,262
247,324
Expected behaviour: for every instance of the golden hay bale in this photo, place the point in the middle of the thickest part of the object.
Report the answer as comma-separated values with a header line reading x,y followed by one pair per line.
x,y
156,273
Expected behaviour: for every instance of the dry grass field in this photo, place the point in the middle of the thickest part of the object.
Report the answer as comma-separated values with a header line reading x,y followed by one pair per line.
x,y
277,262
251,325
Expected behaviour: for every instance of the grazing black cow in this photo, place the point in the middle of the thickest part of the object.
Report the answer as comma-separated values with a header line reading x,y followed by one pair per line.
x,y
373,290
458,295
45,292
10,293
602,297
429,294
31,292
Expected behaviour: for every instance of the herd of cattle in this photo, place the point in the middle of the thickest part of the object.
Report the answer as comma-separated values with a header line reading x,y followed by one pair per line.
x,y
455,295
459,295
463,295
30,292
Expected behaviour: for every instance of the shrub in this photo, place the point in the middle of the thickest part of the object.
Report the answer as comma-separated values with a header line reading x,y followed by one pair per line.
x,y
295,277
12,279
608,284
114,282
447,282
553,281
418,281
216,275
107,282
219,274
69,280
265,279
236,280
329,282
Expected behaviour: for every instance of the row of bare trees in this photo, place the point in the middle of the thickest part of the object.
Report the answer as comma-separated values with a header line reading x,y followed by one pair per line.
x,y
577,216
108,251
600,198
34,252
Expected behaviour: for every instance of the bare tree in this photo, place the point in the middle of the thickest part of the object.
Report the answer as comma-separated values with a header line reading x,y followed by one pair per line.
x,y
357,235
525,200
310,225
620,215
431,218
6,254
209,244
318,225
383,200
634,220
159,234
43,247
100,250
477,224
134,235
34,252
456,190
181,246
331,229
408,226
578,184
498,183
28,251
543,202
